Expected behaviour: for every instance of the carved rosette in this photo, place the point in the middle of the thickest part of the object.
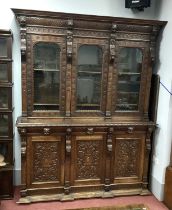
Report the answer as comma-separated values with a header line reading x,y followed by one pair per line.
x,y
46,131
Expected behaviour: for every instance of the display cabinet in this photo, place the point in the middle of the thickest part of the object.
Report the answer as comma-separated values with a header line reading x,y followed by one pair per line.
x,y
85,130
6,123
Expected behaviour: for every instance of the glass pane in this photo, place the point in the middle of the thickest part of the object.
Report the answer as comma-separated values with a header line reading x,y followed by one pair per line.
x,y
3,98
3,72
3,47
3,154
129,75
3,125
89,78
46,76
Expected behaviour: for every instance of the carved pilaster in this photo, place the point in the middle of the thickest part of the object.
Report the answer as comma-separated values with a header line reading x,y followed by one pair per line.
x,y
23,135
112,53
154,33
22,132
67,187
68,141
112,42
69,44
22,22
108,160
147,156
69,40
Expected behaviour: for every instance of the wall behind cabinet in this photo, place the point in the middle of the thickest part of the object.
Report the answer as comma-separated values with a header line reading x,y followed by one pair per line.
x,y
108,8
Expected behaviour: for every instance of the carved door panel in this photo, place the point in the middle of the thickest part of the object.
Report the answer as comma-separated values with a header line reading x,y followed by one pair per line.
x,y
88,159
89,76
128,158
45,161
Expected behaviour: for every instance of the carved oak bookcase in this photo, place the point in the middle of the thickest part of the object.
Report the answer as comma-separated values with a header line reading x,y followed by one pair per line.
x,y
84,128
6,109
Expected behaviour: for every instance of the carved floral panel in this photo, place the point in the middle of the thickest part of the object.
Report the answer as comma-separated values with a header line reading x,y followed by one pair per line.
x,y
88,159
46,161
127,154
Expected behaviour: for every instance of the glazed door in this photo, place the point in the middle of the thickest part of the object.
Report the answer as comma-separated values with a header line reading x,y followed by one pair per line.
x,y
45,161
46,94
89,76
128,158
88,159
131,74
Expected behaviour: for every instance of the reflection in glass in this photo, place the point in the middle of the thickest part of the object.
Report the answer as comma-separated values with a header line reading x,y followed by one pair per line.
x,y
3,125
89,77
3,72
3,154
3,98
129,75
3,47
46,76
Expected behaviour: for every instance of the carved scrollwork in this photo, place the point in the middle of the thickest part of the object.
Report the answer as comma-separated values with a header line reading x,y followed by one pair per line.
x,y
148,144
22,22
23,146
68,140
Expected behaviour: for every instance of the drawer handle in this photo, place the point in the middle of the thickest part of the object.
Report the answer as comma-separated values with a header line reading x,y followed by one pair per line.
x,y
90,131
130,129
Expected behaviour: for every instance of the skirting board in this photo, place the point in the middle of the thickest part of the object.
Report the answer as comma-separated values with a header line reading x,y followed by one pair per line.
x,y
157,189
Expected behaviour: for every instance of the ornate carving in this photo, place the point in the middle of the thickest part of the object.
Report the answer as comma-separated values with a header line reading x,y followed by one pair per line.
x,y
134,28
46,163
68,141
112,42
88,160
22,22
46,21
127,157
109,139
132,36
69,40
154,33
46,131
